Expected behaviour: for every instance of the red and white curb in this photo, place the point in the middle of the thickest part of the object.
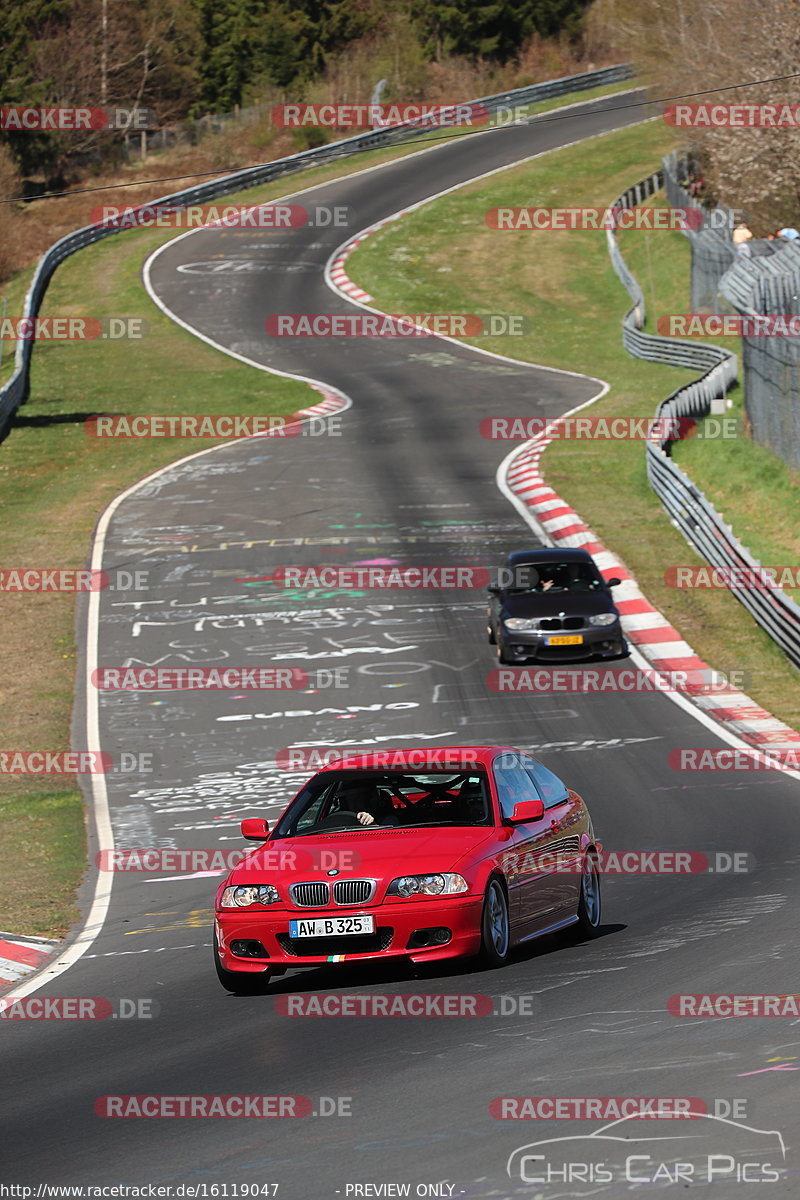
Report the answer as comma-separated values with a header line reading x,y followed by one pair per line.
x,y
333,402
645,627
21,956
337,273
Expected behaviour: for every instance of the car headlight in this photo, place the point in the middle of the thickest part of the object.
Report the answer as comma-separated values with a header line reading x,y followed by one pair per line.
x,y
603,619
518,623
427,885
243,897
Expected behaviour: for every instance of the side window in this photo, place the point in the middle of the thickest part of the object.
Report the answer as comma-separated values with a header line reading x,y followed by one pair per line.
x,y
548,785
513,783
314,811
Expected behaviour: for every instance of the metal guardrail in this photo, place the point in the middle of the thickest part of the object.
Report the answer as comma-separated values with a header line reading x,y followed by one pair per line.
x,y
697,519
15,392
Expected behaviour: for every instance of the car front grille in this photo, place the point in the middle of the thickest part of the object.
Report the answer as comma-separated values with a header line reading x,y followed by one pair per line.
x,y
345,891
309,895
561,623
357,943
353,891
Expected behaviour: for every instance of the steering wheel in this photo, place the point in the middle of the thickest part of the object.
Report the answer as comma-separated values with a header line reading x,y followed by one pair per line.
x,y
339,820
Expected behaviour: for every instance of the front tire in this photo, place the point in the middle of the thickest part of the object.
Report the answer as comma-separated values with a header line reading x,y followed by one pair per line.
x,y
502,657
240,983
590,905
495,926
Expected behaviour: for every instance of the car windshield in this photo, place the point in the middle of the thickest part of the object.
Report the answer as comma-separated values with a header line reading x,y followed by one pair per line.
x,y
555,576
338,801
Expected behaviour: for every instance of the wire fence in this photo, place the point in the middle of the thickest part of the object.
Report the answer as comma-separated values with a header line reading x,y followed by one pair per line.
x,y
764,281
192,130
15,392
697,519
771,363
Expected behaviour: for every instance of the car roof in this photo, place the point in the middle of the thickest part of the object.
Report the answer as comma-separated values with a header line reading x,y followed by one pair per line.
x,y
419,758
545,555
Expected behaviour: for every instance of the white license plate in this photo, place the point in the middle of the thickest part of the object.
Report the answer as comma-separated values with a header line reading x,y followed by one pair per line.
x,y
331,926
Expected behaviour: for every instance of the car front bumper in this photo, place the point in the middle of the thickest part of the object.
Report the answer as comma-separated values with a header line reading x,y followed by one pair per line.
x,y
605,641
395,926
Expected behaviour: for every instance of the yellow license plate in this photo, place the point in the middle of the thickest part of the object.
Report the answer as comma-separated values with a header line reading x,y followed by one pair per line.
x,y
573,640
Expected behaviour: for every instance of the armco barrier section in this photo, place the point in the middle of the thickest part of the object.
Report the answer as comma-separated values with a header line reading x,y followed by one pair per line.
x,y
15,391
697,519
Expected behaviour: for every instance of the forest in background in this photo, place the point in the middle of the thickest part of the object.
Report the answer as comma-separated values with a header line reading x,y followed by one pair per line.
x,y
184,59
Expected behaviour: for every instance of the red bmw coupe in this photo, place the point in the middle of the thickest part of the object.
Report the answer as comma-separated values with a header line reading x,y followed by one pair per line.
x,y
422,854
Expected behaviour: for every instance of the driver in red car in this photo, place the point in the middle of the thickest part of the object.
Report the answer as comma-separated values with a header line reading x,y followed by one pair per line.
x,y
361,799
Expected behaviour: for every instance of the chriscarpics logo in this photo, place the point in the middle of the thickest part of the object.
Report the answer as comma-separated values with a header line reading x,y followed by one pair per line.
x,y
632,1154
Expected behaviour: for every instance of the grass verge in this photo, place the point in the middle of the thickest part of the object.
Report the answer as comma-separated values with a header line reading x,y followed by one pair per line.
x,y
443,258
745,481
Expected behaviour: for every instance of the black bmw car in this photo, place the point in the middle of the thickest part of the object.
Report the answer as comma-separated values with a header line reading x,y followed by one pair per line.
x,y
550,605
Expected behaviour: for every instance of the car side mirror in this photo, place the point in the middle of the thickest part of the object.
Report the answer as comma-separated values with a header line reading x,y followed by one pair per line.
x,y
613,582
255,829
527,810
494,589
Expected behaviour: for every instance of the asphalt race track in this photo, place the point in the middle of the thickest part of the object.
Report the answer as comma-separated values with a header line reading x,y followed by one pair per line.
x,y
409,480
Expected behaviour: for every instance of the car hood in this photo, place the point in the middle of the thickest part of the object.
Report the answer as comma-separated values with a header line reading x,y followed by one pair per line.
x,y
545,604
381,854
